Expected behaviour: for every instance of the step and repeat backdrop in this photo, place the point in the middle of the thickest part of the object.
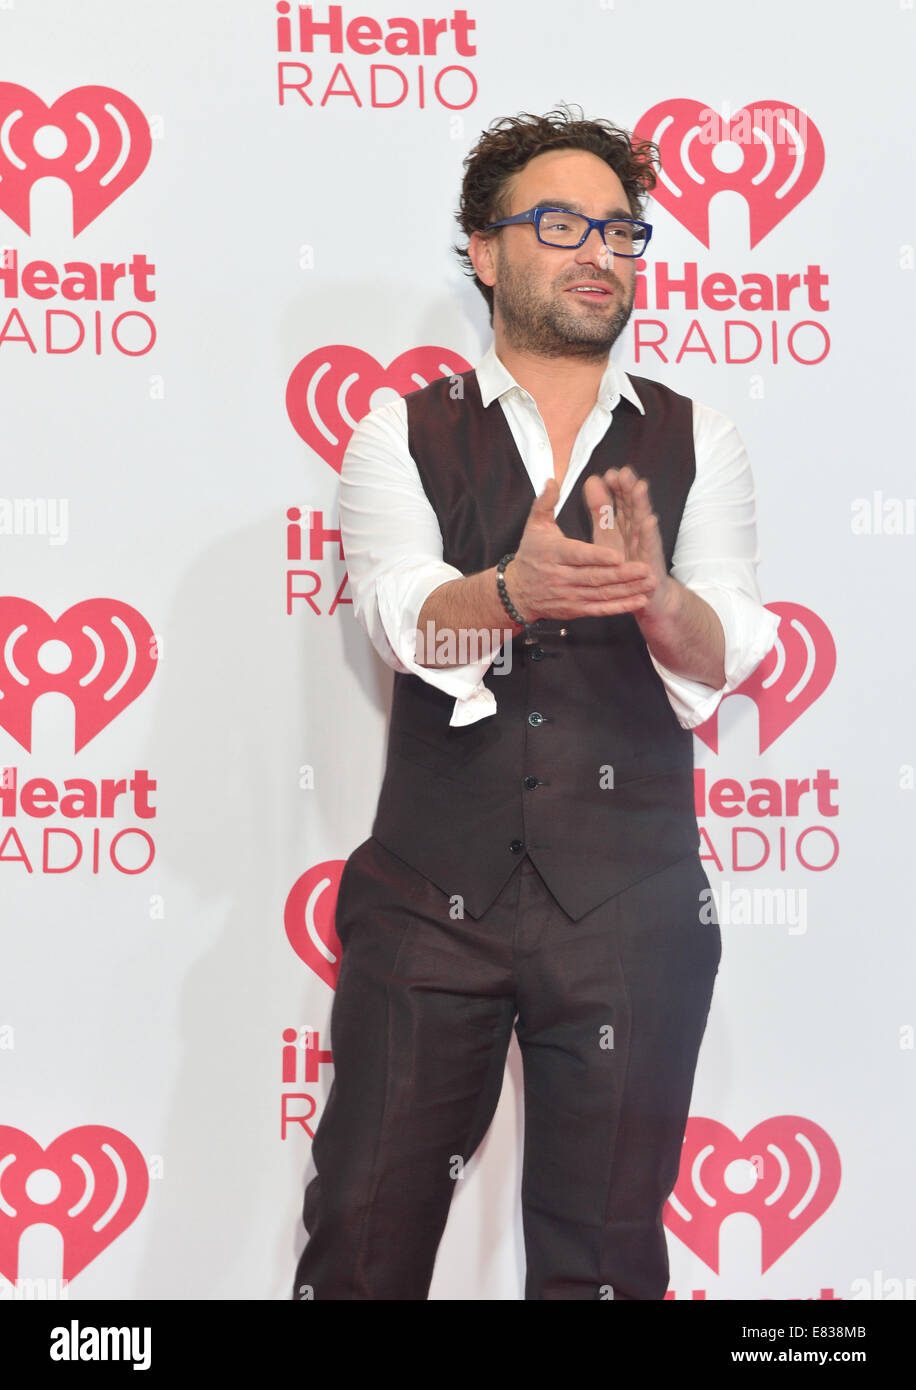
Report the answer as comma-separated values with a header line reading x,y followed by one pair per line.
x,y
225,235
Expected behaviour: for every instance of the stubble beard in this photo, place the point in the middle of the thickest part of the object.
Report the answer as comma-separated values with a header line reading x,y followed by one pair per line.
x,y
548,328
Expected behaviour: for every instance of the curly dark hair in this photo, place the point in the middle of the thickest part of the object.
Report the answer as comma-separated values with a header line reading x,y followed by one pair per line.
x,y
509,143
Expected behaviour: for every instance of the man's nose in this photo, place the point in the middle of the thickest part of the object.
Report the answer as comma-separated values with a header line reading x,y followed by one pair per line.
x,y
595,251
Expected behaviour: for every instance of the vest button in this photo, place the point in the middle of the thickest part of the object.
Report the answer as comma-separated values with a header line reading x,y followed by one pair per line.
x,y
536,653
517,846
530,783
535,719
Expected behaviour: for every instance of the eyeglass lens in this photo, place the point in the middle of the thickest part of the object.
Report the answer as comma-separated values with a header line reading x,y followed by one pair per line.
x,y
568,228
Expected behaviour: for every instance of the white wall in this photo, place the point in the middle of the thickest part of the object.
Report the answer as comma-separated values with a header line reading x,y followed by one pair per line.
x,y
153,1003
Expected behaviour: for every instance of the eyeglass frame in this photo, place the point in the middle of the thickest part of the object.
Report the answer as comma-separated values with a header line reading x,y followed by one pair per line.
x,y
535,214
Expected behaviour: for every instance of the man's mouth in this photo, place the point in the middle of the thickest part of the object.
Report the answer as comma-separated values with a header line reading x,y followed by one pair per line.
x,y
590,290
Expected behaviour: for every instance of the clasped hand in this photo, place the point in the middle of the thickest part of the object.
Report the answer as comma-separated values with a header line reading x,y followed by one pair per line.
x,y
622,570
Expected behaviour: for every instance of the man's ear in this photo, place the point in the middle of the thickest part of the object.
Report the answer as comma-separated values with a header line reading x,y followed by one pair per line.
x,y
481,250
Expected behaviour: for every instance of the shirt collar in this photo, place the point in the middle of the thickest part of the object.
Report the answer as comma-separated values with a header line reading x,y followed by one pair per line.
x,y
495,380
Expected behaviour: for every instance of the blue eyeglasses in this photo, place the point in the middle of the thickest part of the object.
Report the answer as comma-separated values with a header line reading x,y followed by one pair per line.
x,y
559,227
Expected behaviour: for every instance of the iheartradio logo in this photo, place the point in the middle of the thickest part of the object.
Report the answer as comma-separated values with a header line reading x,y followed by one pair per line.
x,y
309,919
331,389
94,138
770,153
100,653
785,1172
794,673
90,1184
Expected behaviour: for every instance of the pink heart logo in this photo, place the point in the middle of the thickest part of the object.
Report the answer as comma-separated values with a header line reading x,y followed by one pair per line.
x,y
776,151
102,655
102,1182
331,389
106,147
796,1175
794,673
309,919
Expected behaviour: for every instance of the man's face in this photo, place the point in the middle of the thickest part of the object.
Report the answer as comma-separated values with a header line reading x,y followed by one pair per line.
x,y
534,303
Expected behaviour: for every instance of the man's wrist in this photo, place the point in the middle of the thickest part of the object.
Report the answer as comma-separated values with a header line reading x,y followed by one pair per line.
x,y
686,636
516,598
661,619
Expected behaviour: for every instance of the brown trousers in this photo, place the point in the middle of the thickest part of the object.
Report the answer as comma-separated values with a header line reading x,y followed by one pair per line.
x,y
609,1012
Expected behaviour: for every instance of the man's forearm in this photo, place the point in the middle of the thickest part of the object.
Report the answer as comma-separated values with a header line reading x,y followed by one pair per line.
x,y
463,620
687,637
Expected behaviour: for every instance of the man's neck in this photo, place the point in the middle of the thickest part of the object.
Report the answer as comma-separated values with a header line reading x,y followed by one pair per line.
x,y
561,386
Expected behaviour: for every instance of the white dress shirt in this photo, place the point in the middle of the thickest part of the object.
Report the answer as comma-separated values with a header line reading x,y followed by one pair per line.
x,y
393,544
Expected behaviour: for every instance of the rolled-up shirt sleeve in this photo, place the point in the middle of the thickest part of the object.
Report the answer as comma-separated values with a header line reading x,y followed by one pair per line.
x,y
393,548
716,556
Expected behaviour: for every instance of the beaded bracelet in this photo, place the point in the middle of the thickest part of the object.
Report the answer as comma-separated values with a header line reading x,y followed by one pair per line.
x,y
513,612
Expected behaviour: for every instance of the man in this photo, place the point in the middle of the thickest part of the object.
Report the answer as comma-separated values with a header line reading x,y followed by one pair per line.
x,y
534,860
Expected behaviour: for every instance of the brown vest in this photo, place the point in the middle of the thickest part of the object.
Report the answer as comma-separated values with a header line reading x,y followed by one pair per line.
x,y
584,766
